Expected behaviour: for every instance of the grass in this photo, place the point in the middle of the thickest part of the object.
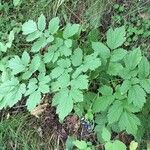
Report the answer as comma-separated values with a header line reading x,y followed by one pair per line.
x,y
23,132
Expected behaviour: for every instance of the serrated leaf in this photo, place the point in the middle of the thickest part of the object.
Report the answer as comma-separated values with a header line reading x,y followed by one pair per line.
x,y
11,92
29,27
77,57
32,86
114,68
33,36
91,62
106,90
101,49
33,100
64,103
115,112
25,58
76,95
16,65
70,30
62,82
76,83
53,25
143,68
65,51
49,55
39,44
116,37
116,145
126,73
137,96
118,55
64,63
106,135
125,86
56,72
129,122
133,58
68,43
102,103
41,22
35,63
145,83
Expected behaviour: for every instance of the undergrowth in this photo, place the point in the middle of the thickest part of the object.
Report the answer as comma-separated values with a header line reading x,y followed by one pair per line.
x,y
105,81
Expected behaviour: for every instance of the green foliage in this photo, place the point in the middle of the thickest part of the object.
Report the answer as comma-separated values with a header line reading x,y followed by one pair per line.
x,y
57,64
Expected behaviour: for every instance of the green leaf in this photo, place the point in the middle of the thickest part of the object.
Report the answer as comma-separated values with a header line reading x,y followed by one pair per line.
x,y
32,86
118,55
62,81
64,63
53,25
65,51
143,68
129,122
25,58
16,65
35,63
48,57
16,2
91,62
11,92
125,86
133,58
101,49
68,43
106,90
43,83
126,73
33,100
64,103
29,27
56,72
115,112
41,22
102,103
3,47
114,68
145,83
106,135
70,30
81,145
76,83
39,44
77,57
33,36
137,96
116,37
116,145
76,95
